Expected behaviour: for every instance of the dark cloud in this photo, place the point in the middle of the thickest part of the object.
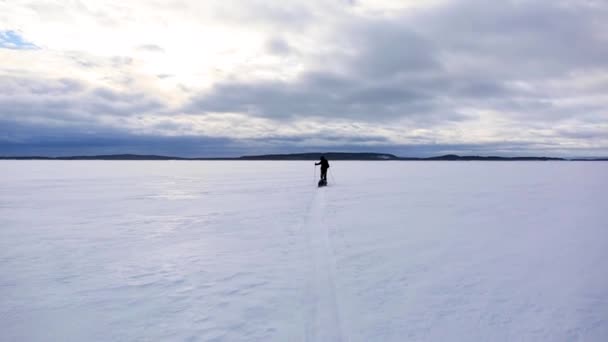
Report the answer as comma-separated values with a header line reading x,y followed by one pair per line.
x,y
387,48
327,136
23,139
15,86
18,138
66,101
315,94
521,39
28,139
427,64
583,133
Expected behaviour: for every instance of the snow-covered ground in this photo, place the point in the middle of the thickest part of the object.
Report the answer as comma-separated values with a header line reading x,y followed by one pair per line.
x,y
254,251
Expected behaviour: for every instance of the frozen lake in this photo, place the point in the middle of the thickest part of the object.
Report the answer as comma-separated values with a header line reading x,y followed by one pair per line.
x,y
254,251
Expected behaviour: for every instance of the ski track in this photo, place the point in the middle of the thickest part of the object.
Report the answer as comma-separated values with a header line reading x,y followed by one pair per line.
x,y
323,319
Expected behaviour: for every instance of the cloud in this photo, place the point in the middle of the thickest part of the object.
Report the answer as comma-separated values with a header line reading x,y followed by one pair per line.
x,y
151,48
278,46
17,138
350,74
68,101
438,64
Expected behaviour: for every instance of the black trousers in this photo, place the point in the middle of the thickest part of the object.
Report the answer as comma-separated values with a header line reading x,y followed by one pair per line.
x,y
324,174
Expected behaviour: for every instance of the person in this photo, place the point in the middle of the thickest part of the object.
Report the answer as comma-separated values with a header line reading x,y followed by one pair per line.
x,y
324,166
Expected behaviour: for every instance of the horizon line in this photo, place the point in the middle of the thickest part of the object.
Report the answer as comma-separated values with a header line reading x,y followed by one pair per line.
x,y
305,155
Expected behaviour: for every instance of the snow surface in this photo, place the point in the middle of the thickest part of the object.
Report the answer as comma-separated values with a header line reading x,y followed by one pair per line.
x,y
254,251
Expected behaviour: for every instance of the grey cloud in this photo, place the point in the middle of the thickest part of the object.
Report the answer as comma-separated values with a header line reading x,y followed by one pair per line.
x,y
278,46
12,86
325,135
120,61
291,100
277,15
384,48
84,63
584,133
88,61
28,139
22,138
522,38
66,101
425,65
151,48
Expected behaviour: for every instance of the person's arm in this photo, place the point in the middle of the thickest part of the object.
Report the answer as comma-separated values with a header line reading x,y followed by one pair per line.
x,y
319,163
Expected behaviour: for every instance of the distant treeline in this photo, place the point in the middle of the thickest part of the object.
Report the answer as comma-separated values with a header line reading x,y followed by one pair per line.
x,y
112,157
305,156
328,155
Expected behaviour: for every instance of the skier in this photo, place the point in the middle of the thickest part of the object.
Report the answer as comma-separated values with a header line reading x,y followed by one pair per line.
x,y
324,166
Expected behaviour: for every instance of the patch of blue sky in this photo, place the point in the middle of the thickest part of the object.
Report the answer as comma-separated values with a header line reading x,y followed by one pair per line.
x,y
13,40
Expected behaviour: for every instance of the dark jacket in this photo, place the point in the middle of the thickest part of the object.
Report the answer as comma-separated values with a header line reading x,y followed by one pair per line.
x,y
324,164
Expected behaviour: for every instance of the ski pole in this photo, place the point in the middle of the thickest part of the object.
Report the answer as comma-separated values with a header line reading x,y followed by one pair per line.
x,y
331,174
314,175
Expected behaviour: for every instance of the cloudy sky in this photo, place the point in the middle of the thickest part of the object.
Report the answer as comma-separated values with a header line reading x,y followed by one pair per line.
x,y
230,77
